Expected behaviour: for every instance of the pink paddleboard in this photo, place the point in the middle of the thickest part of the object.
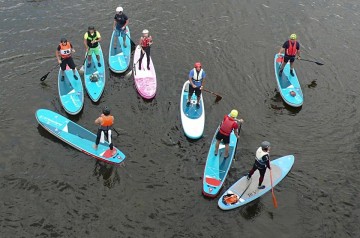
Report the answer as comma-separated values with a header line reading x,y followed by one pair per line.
x,y
145,80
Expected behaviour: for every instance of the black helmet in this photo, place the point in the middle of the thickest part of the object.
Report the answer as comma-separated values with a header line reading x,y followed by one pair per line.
x,y
91,28
63,40
106,111
265,144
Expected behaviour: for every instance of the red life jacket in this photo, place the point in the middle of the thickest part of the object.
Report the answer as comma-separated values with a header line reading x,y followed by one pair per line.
x,y
145,41
227,126
291,51
65,50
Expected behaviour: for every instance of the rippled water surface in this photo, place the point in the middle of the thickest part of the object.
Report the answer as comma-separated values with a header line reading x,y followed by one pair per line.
x,y
49,189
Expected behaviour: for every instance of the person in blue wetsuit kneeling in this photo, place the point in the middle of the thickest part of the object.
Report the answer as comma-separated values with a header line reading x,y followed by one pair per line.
x,y
197,79
262,161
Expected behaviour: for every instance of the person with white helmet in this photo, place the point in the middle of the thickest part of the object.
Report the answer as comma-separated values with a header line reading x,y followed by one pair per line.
x,y
292,50
262,161
145,43
120,23
228,124
197,80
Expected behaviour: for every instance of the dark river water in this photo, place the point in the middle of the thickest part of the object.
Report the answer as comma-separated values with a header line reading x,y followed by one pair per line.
x,y
49,189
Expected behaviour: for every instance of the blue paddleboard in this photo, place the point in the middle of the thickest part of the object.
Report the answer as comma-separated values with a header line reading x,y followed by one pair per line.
x,y
216,167
192,117
119,58
71,91
94,77
287,83
248,191
77,136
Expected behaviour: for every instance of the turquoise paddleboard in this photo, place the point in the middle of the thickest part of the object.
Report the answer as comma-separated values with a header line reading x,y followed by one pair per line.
x,y
119,57
289,86
248,191
77,136
94,77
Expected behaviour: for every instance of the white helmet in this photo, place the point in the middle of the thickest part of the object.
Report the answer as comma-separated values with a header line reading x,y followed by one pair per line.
x,y
145,31
119,9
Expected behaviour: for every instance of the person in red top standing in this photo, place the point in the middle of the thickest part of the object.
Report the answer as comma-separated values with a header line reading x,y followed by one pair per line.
x,y
63,55
145,43
105,122
228,124
292,50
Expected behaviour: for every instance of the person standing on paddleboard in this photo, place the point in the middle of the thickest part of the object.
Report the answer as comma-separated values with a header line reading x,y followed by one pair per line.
x,y
292,50
197,80
145,43
262,161
227,126
64,57
120,23
105,121
91,42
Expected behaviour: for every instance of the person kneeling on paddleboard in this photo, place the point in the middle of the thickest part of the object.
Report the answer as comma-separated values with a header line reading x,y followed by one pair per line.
x,y
64,57
105,121
227,126
262,160
292,50
197,80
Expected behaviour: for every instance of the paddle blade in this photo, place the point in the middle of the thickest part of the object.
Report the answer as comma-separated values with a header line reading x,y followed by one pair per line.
x,y
218,98
133,46
318,63
274,199
44,77
81,70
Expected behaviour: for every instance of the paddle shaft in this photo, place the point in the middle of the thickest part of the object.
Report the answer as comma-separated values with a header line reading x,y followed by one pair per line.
x,y
272,191
45,76
318,63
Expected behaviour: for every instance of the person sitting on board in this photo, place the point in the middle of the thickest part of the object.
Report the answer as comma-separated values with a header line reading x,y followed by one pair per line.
x,y
227,126
262,160
197,80
230,198
120,23
91,42
63,55
105,121
145,43
292,50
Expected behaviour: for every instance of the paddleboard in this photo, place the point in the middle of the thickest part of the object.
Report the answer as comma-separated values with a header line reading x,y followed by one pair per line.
x,y
289,86
94,76
71,91
77,136
145,80
216,167
192,117
248,190
119,57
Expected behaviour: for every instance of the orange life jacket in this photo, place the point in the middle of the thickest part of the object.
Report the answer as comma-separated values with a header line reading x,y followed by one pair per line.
x,y
107,121
227,126
145,41
291,51
65,50
232,199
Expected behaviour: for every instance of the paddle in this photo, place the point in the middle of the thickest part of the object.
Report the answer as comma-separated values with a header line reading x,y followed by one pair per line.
x,y
318,63
133,46
81,70
116,131
218,97
45,76
272,191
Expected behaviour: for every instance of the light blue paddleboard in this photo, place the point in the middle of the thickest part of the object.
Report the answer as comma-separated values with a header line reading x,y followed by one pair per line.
x,y
77,136
192,117
287,83
71,92
216,167
119,58
248,191
94,77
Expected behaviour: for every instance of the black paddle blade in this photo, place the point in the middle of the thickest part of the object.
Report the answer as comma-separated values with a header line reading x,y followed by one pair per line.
x,y
133,46
44,77
218,98
318,63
